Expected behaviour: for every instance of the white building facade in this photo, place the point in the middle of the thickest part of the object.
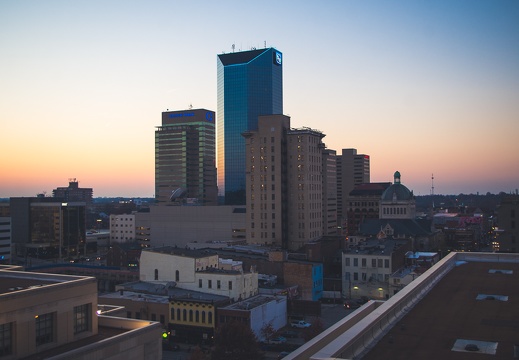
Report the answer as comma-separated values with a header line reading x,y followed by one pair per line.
x,y
122,228
198,271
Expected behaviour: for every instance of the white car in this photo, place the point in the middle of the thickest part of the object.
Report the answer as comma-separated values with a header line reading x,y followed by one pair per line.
x,y
300,324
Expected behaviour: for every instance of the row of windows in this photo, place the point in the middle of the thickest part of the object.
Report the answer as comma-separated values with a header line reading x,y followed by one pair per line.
x,y
218,284
263,206
263,216
191,316
263,187
263,235
45,328
395,211
264,225
375,263
363,203
376,277
263,197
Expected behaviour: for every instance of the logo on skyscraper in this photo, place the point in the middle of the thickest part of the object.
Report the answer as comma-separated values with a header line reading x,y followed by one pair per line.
x,y
277,58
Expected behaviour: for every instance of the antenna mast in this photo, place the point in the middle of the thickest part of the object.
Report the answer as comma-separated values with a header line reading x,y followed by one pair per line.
x,y
432,190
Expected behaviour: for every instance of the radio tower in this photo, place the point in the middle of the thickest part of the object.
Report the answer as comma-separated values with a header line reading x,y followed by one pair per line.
x,y
432,189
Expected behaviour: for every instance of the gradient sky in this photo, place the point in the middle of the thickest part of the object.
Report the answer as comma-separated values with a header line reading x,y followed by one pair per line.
x,y
423,87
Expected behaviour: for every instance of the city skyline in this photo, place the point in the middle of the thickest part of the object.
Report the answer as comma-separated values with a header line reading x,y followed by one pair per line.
x,y
423,88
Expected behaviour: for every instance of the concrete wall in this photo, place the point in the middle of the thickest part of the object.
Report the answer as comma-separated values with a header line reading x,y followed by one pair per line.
x,y
181,225
274,311
167,266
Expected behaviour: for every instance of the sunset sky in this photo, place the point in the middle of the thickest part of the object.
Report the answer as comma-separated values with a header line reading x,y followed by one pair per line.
x,y
423,87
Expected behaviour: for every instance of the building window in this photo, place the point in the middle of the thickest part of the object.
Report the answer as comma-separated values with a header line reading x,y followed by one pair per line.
x,y
374,263
197,316
177,275
178,314
156,274
44,328
203,317
81,318
210,284
200,283
6,339
210,317
386,263
162,319
172,313
191,315
184,315
355,276
218,284
230,285
356,262
364,262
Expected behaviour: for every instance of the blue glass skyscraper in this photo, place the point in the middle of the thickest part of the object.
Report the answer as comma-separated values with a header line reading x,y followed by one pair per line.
x,y
250,83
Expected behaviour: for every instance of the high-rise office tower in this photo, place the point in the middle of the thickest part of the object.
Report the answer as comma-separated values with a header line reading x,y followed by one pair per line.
x,y
284,184
352,169
329,175
250,84
185,166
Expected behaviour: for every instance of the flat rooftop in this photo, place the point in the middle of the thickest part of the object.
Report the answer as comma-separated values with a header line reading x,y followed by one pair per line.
x,y
253,302
12,281
160,292
453,311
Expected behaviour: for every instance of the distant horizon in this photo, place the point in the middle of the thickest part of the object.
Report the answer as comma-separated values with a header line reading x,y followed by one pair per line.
x,y
152,198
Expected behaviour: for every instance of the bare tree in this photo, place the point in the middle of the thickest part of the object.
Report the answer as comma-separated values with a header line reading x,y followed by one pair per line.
x,y
235,341
267,331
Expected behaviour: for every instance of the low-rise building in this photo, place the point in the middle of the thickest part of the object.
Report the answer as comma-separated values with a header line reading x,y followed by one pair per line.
x,y
368,265
55,317
197,270
189,316
257,312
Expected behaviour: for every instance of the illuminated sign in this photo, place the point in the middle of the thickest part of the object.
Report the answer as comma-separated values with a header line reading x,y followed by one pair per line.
x,y
181,115
278,58
209,116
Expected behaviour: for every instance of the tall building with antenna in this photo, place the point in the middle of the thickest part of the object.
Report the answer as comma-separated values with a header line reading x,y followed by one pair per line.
x,y
250,84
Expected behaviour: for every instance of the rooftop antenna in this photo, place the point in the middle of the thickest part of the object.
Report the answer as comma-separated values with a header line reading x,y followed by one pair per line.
x,y
432,189
232,47
265,43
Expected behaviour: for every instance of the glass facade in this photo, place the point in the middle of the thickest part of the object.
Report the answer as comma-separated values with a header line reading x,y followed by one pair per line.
x,y
185,160
250,83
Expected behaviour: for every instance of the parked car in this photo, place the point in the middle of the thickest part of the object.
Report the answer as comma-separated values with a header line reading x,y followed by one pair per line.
x,y
278,340
300,324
